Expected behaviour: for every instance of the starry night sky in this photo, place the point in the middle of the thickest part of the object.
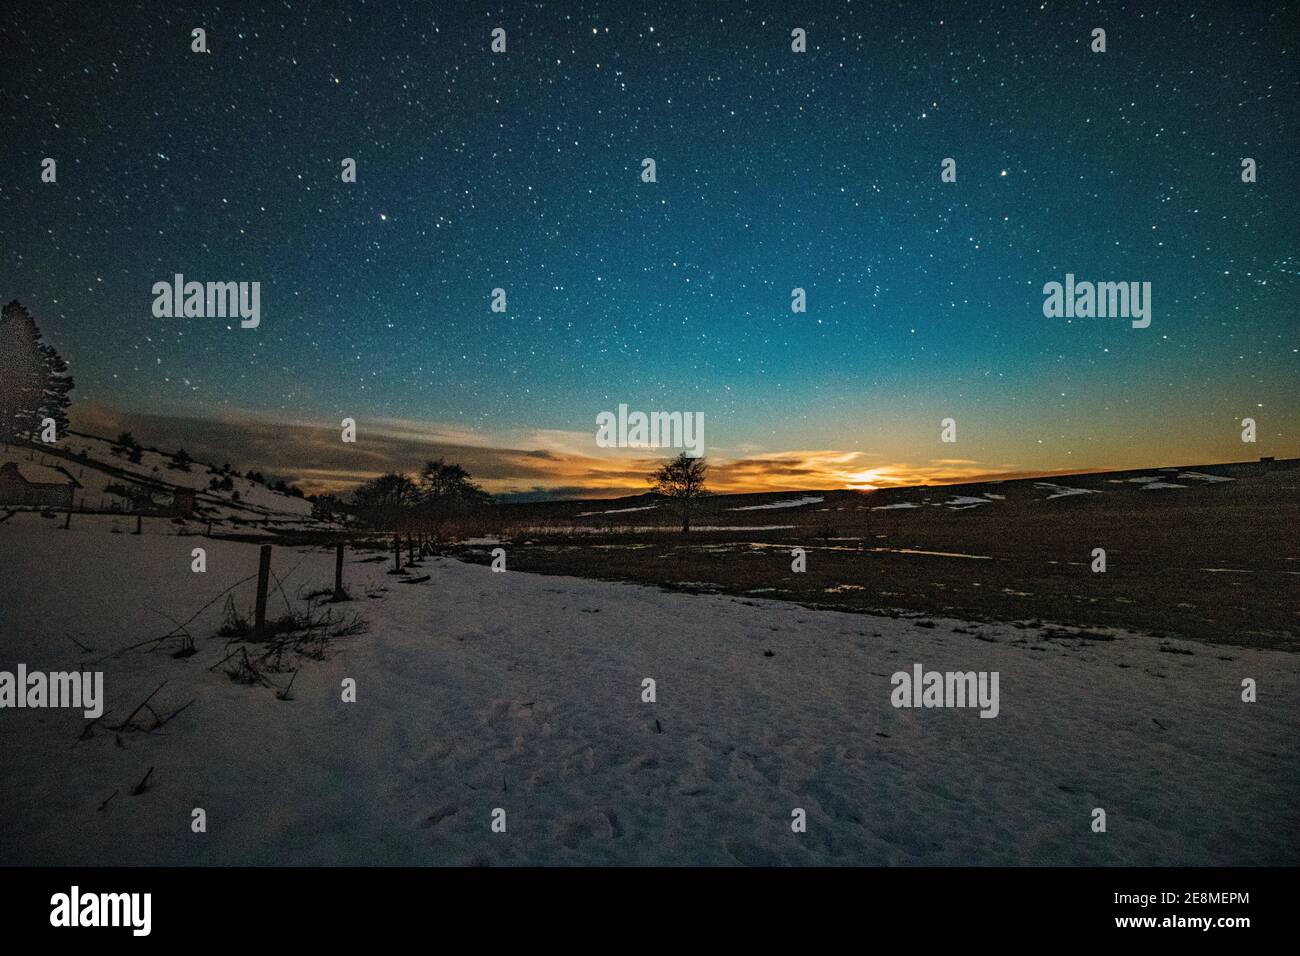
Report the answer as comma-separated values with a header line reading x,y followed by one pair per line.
x,y
775,170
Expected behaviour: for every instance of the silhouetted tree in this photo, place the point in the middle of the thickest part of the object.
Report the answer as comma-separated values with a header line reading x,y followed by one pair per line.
x,y
34,379
682,481
126,445
58,389
447,492
385,503
442,481
329,508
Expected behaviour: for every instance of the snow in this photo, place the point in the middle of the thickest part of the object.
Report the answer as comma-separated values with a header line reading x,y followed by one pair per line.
x,y
616,511
648,528
1151,481
786,546
902,504
964,502
478,690
735,527
935,554
791,503
1063,491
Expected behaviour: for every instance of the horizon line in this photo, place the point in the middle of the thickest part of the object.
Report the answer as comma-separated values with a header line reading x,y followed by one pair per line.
x,y
539,495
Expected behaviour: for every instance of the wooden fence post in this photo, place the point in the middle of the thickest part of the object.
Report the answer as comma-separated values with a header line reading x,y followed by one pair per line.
x,y
339,594
397,554
139,524
263,578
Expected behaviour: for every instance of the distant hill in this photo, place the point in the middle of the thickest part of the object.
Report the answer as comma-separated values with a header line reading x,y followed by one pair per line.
x,y
112,482
1141,485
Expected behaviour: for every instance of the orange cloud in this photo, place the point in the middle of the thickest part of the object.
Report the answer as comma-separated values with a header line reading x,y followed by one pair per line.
x,y
547,463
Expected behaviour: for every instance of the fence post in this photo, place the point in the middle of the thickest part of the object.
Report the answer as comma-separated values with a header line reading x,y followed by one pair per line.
x,y
338,574
139,524
397,554
263,577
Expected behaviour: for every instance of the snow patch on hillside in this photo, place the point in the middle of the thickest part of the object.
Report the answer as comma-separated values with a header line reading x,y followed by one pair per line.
x,y
790,503
1063,491
616,511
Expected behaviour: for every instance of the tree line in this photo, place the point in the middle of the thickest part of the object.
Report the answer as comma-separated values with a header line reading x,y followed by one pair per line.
x,y
441,492
444,491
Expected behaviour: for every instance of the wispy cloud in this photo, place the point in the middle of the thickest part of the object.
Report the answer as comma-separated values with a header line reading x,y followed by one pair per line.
x,y
522,463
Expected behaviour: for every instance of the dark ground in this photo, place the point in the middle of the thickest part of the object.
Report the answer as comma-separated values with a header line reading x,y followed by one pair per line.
x,y
1217,562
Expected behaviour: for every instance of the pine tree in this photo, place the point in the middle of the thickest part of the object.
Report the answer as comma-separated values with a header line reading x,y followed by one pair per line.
x,y
22,369
125,444
58,385
34,379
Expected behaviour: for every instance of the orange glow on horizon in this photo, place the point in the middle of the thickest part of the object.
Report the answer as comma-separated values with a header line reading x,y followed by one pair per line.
x,y
565,465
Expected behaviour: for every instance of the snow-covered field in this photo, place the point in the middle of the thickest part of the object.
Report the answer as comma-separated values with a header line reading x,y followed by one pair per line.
x,y
480,690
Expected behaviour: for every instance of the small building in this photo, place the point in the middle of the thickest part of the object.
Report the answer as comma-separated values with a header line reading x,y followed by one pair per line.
x,y
148,496
183,502
28,484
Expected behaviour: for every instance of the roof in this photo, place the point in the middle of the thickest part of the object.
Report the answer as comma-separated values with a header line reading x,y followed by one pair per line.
x,y
35,474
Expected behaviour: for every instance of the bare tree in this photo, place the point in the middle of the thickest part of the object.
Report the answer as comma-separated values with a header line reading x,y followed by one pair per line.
x,y
445,492
682,481
394,502
384,503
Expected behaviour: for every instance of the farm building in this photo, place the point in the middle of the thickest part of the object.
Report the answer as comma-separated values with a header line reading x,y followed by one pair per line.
x,y
147,496
29,484
183,502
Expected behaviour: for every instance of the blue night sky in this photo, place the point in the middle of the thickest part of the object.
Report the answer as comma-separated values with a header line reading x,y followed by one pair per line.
x,y
521,170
